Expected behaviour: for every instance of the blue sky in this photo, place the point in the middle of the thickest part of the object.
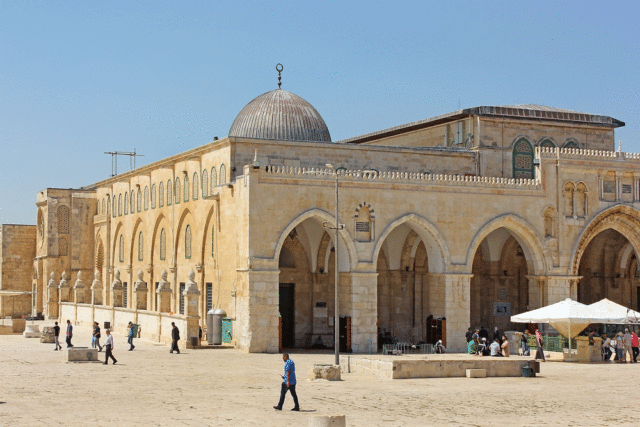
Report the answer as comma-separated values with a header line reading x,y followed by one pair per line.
x,y
81,78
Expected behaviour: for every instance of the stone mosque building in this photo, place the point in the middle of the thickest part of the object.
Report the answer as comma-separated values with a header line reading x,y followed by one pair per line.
x,y
453,221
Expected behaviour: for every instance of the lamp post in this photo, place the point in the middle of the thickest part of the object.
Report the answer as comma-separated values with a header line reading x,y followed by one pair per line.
x,y
337,227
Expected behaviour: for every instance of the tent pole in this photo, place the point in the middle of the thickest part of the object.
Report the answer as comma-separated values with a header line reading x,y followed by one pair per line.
x,y
569,339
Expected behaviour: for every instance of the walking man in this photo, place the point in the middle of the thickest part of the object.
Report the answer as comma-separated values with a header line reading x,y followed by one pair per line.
x,y
95,340
56,334
109,347
175,337
69,333
130,340
627,345
288,383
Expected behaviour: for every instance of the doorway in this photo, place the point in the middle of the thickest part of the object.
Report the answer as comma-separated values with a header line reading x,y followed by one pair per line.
x,y
287,314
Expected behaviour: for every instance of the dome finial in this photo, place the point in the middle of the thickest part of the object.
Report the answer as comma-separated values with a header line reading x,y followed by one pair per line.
x,y
279,69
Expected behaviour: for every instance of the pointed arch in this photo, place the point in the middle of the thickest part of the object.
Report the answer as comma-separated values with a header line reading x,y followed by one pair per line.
x,y
161,224
132,248
524,233
437,249
623,219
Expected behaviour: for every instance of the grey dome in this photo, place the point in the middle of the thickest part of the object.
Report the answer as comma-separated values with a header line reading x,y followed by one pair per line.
x,y
280,115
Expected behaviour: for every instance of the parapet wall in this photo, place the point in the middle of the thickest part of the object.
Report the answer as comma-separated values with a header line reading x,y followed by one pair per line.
x,y
575,153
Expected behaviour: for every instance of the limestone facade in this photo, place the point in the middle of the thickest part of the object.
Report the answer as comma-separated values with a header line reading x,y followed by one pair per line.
x,y
17,251
515,208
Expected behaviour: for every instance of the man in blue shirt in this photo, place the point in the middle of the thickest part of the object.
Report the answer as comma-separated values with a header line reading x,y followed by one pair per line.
x,y
288,383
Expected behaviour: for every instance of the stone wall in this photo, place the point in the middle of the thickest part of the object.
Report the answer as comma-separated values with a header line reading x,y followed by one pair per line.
x,y
17,251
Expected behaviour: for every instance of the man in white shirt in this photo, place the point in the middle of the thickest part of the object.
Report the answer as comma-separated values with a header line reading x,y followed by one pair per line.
x,y
108,345
495,349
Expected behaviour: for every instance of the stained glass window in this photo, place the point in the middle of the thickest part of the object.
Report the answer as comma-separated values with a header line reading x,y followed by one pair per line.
x,y
187,242
63,219
523,160
205,183
163,245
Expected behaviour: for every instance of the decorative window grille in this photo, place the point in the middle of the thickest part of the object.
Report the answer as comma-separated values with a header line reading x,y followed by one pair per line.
x,y
125,289
160,195
570,144
209,296
186,188
63,248
182,286
169,193
163,245
523,160
126,203
187,242
114,206
108,206
176,199
195,186
223,174
63,220
214,178
140,247
146,198
132,203
119,204
205,183
139,201
547,143
153,196
121,249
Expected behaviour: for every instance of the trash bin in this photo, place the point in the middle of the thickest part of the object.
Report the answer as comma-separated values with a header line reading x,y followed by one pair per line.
x,y
194,342
214,326
528,372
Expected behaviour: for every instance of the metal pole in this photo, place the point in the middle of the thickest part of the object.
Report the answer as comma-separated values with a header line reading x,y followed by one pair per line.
x,y
337,318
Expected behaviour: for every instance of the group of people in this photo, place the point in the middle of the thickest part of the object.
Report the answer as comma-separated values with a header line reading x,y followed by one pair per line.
x,y
478,343
619,345
108,345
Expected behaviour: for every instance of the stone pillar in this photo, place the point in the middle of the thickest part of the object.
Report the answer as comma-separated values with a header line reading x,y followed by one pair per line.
x,y
96,289
64,289
536,292
364,312
140,292
116,290
52,298
163,293
559,288
457,296
191,295
435,292
257,310
79,290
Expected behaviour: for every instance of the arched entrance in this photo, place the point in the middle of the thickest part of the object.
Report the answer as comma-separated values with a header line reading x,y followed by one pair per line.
x,y
499,286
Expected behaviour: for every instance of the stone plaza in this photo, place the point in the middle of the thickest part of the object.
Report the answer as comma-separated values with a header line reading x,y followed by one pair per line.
x,y
150,387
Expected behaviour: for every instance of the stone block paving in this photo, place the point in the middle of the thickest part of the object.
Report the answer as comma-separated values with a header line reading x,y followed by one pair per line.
x,y
150,387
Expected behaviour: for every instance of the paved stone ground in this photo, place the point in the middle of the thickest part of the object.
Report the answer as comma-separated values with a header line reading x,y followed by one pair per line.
x,y
150,387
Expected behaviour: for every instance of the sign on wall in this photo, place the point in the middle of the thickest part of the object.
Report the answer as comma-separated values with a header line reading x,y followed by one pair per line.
x,y
502,309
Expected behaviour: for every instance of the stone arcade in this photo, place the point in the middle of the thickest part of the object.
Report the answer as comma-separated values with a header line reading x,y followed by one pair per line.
x,y
470,216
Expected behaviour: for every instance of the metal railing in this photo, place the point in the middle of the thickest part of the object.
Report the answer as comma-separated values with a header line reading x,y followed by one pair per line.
x,y
406,348
558,343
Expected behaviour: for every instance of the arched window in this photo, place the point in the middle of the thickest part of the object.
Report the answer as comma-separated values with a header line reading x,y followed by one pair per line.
x,y
186,188
169,193
108,206
205,183
176,198
146,198
63,220
114,206
567,196
132,202
187,242
140,247
195,186
160,194
121,249
163,245
523,160
547,143
580,200
214,178
139,201
63,248
126,202
153,196
570,144
119,204
223,174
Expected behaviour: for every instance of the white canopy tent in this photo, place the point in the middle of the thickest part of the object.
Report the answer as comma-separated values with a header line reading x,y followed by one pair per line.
x,y
568,317
607,311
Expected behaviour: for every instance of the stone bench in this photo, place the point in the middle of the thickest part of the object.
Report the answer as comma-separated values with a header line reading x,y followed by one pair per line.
x,y
48,335
32,331
82,354
325,372
476,373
